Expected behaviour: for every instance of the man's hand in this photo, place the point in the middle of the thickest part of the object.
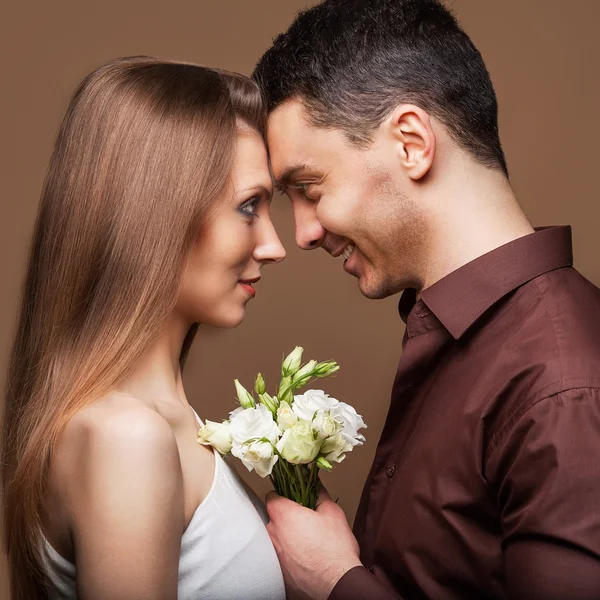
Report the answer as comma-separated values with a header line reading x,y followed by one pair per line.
x,y
315,548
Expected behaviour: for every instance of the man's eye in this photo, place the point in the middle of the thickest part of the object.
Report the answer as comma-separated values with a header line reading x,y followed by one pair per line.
x,y
249,207
303,188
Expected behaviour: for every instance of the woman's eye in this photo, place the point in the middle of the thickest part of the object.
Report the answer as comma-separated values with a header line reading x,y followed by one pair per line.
x,y
250,207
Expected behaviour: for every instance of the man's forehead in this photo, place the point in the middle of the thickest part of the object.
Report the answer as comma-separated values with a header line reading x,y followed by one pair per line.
x,y
286,128
294,145
291,113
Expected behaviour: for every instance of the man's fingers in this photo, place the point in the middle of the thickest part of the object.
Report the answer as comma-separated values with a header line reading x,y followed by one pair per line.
x,y
275,503
271,496
271,501
324,500
323,493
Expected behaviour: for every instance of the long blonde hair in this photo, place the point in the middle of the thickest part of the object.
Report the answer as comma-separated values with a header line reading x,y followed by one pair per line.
x,y
144,150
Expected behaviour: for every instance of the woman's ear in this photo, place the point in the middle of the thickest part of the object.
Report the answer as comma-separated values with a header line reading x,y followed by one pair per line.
x,y
410,127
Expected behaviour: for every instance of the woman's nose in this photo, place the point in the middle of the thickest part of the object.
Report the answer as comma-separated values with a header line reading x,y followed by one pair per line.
x,y
269,248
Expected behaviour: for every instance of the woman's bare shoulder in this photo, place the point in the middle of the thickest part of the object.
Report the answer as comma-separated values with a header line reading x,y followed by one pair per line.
x,y
119,476
115,412
116,430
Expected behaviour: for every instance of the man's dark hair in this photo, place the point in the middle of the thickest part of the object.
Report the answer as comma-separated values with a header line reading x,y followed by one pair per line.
x,y
351,62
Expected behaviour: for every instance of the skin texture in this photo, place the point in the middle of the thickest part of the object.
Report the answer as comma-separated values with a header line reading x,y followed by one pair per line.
x,y
227,252
127,474
349,195
336,550
416,207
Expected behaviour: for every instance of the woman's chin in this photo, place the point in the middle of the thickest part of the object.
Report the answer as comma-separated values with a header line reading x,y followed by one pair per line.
x,y
228,319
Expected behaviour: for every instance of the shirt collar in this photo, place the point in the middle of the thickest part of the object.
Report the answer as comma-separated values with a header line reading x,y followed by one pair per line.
x,y
460,298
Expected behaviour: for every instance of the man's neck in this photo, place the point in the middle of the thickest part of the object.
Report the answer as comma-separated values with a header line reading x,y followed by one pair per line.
x,y
477,213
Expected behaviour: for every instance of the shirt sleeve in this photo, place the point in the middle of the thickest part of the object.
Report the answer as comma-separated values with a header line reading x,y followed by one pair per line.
x,y
359,584
545,472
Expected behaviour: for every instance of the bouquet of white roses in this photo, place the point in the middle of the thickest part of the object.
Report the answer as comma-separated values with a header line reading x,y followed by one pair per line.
x,y
288,437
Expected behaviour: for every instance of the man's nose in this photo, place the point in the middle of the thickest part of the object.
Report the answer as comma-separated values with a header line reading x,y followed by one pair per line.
x,y
309,232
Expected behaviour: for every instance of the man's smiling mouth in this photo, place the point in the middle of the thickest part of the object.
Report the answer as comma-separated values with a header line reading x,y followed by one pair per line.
x,y
347,251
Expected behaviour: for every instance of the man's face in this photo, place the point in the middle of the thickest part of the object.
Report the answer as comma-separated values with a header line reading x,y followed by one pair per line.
x,y
350,201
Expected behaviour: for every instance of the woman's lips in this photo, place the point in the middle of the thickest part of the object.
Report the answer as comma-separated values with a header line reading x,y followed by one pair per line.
x,y
248,288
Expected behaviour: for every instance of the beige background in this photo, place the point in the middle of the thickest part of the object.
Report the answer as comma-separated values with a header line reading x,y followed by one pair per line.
x,y
544,60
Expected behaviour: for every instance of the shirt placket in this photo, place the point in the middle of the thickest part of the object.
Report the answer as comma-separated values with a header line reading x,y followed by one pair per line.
x,y
422,343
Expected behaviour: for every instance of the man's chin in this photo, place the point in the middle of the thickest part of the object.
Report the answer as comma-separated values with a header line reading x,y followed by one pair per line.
x,y
373,290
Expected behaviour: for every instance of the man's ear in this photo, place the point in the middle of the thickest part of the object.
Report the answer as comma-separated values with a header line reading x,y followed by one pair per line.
x,y
410,127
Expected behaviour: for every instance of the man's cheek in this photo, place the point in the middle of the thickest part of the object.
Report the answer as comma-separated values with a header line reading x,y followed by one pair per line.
x,y
335,217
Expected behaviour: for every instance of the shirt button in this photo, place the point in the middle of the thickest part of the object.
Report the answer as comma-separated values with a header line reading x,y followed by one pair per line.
x,y
370,567
389,470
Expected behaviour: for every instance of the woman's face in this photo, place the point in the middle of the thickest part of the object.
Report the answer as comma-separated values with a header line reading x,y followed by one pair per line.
x,y
239,239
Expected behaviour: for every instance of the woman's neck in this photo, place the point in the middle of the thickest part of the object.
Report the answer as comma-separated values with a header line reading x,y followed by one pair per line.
x,y
156,376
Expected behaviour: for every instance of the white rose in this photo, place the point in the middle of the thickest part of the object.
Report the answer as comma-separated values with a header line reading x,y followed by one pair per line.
x,y
286,417
307,404
299,444
258,456
325,425
217,435
238,410
334,448
253,423
352,422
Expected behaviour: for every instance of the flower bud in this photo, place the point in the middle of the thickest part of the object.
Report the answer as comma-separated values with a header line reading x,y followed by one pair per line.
x,y
285,392
288,396
273,399
324,464
244,397
304,374
268,401
324,369
292,362
216,435
259,384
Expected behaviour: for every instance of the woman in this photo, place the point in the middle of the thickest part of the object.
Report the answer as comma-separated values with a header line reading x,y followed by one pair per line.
x,y
154,217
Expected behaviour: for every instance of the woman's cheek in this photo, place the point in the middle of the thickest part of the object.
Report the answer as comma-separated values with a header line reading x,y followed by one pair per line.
x,y
246,241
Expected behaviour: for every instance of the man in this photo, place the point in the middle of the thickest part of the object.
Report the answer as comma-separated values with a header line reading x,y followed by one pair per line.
x,y
486,482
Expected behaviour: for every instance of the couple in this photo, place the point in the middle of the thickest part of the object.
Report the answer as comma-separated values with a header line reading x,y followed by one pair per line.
x,y
381,126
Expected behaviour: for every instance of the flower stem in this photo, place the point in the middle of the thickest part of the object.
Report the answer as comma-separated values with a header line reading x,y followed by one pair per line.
x,y
302,483
296,482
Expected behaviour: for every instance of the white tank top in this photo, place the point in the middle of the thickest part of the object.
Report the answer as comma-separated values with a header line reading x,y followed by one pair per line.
x,y
226,552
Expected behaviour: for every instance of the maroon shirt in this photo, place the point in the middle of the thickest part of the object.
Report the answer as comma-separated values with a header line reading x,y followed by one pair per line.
x,y
486,480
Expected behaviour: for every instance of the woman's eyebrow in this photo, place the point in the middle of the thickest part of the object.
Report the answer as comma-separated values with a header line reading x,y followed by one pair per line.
x,y
267,191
